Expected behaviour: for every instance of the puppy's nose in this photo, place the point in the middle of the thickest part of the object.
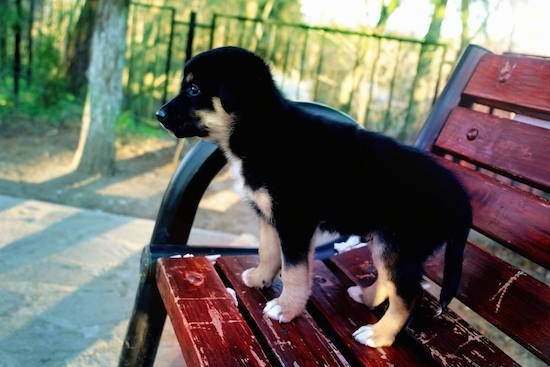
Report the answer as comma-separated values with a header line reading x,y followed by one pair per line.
x,y
161,115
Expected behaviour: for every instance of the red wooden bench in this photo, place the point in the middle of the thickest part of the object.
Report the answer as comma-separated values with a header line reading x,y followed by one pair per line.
x,y
491,126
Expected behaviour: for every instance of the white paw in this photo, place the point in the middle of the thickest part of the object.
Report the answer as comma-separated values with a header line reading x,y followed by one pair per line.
x,y
245,277
363,335
276,312
356,294
372,336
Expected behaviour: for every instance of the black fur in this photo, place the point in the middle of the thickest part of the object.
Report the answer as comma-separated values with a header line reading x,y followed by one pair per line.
x,y
322,172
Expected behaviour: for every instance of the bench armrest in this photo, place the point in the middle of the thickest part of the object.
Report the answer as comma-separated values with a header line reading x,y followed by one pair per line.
x,y
184,192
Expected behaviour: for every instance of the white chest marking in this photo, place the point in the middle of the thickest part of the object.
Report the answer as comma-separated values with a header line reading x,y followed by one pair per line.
x,y
259,197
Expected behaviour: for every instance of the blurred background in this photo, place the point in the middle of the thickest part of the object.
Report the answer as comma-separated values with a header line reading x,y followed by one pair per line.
x,y
383,62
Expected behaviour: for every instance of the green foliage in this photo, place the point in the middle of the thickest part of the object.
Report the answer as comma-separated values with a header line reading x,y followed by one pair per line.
x,y
128,126
42,94
64,109
48,82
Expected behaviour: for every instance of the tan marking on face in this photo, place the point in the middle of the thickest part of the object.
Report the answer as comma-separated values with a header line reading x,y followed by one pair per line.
x,y
189,77
219,124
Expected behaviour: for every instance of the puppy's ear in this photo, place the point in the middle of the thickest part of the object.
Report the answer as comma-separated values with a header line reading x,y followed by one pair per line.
x,y
231,96
247,95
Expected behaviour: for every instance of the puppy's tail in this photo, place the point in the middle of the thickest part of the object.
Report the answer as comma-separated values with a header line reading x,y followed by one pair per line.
x,y
454,255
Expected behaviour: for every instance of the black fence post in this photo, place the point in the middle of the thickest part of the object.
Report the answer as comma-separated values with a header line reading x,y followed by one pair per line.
x,y
190,36
169,54
212,30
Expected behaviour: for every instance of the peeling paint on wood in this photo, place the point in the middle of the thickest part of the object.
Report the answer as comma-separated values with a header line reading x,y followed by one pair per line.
x,y
502,290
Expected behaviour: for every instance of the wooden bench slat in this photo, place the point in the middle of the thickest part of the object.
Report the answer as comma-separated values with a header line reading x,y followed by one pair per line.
x,y
509,215
297,343
513,83
507,297
342,316
451,340
209,327
448,339
508,147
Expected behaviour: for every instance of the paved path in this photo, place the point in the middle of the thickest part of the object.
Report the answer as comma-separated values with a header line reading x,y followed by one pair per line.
x,y
67,284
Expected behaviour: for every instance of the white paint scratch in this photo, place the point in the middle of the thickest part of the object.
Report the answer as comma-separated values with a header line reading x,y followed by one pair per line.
x,y
259,361
216,320
502,290
384,357
478,338
446,360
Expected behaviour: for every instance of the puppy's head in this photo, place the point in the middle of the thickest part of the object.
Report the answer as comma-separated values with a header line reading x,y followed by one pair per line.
x,y
219,87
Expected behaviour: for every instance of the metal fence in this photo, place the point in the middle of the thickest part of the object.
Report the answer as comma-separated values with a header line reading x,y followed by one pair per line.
x,y
371,77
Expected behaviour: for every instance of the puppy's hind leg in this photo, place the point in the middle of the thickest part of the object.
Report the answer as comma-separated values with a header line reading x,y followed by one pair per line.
x,y
403,288
373,295
270,258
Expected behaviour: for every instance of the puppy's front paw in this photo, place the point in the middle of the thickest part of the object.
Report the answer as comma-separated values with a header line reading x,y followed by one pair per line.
x,y
254,278
370,335
281,312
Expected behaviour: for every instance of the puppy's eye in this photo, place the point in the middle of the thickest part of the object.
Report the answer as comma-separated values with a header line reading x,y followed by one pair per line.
x,y
193,90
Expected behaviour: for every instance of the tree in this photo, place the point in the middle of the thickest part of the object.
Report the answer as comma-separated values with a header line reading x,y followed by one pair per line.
x,y
464,15
424,66
387,8
96,151
79,47
467,35
17,52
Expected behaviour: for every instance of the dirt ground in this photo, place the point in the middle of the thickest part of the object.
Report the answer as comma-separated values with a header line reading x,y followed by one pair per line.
x,y
35,163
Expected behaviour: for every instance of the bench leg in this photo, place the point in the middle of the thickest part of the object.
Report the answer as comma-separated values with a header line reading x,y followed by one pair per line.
x,y
147,319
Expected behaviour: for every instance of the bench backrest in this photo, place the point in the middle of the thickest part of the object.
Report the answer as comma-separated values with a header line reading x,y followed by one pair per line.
x,y
492,127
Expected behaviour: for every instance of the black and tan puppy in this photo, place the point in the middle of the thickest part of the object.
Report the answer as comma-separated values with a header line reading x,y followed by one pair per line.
x,y
301,172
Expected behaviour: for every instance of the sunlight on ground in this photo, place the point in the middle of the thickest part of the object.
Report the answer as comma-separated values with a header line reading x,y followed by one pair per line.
x,y
82,183
137,147
70,276
30,217
220,201
140,186
68,279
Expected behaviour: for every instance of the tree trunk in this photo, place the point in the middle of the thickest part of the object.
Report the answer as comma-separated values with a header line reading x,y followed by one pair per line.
x,y
78,51
28,74
17,51
96,148
387,8
424,67
3,32
464,15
